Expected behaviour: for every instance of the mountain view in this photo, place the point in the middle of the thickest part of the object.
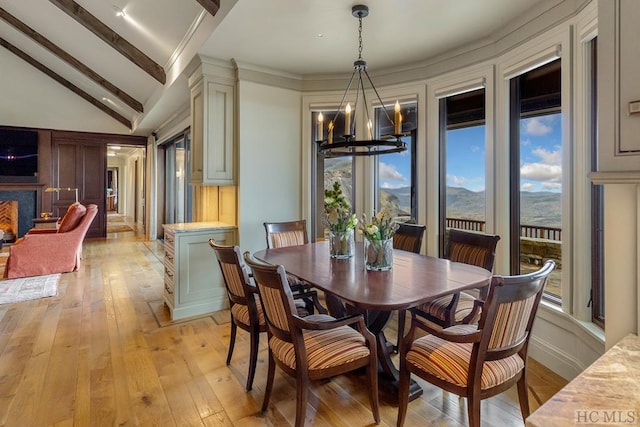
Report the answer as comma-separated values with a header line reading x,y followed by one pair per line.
x,y
541,208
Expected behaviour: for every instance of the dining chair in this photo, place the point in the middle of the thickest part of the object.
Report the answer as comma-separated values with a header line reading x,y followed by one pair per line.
x,y
483,360
313,347
244,304
291,233
468,247
408,237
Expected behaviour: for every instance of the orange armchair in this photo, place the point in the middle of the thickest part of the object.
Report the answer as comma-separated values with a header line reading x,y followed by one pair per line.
x,y
36,253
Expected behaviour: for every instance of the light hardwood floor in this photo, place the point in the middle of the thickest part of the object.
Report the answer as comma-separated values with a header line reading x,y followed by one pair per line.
x,y
104,352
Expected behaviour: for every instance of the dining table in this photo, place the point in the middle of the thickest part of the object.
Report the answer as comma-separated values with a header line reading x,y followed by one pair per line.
x,y
414,279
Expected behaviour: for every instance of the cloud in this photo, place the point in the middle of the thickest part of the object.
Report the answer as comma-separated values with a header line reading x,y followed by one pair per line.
x,y
392,186
552,186
475,148
457,181
390,173
527,186
548,157
537,126
541,172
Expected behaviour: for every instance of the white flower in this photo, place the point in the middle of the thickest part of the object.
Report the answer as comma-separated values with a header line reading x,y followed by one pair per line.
x,y
372,229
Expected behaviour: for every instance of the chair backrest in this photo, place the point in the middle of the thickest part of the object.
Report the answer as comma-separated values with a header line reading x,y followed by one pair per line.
x,y
473,248
408,237
85,222
275,296
234,273
509,312
288,233
72,217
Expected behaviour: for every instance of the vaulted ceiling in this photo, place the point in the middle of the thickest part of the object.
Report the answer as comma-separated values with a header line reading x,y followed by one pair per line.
x,y
118,66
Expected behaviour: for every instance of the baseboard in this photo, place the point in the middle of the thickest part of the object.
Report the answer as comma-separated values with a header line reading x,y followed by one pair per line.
x,y
563,344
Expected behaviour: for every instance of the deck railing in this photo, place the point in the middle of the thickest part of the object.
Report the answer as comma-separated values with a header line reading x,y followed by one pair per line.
x,y
534,231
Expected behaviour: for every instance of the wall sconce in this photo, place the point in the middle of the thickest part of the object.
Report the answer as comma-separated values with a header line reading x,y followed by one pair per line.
x,y
58,189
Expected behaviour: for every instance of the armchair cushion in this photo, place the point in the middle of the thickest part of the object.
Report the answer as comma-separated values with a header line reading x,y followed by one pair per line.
x,y
449,361
241,313
325,348
72,218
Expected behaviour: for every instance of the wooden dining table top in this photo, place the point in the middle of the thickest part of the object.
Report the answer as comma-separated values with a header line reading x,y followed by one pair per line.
x,y
413,280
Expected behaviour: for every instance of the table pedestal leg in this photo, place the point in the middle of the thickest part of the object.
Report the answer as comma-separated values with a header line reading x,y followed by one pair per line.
x,y
388,378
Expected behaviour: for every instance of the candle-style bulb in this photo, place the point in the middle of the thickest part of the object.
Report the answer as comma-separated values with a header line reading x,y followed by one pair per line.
x,y
347,119
320,131
397,119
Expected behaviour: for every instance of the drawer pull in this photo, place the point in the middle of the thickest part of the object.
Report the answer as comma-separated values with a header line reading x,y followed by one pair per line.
x,y
168,289
169,257
168,272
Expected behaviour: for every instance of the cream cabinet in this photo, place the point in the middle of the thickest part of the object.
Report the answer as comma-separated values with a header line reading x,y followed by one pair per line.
x,y
193,284
212,133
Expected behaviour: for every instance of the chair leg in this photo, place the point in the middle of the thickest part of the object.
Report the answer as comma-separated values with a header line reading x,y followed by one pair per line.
x,y
473,409
402,314
372,372
232,340
270,375
523,395
253,356
302,393
403,391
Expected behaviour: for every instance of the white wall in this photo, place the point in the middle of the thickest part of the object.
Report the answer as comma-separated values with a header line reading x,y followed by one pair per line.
x,y
56,106
269,148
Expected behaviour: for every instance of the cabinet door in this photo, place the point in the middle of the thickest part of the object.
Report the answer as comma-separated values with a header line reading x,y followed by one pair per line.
x,y
218,135
199,275
212,134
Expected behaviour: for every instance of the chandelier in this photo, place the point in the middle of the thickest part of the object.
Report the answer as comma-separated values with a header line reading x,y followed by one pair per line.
x,y
349,144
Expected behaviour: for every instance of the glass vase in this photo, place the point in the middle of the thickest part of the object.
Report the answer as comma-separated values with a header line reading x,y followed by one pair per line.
x,y
378,254
341,244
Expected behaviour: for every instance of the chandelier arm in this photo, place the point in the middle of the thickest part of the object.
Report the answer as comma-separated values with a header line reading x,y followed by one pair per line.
x,y
384,107
344,96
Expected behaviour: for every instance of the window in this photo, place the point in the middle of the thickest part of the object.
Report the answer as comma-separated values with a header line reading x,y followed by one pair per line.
x,y
462,165
536,172
597,199
329,170
395,172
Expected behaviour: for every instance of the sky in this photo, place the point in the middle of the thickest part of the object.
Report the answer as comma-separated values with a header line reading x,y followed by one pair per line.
x,y
540,158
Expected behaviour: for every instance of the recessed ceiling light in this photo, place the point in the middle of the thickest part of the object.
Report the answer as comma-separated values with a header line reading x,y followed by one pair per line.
x,y
320,35
119,12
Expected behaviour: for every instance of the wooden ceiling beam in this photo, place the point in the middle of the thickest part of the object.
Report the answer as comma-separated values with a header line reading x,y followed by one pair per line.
x,y
211,6
64,82
112,38
68,58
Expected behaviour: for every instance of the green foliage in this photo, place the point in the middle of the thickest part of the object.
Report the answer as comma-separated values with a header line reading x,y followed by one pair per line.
x,y
338,216
381,226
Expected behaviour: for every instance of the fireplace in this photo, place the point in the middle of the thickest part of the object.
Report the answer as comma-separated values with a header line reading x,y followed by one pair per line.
x,y
9,219
20,203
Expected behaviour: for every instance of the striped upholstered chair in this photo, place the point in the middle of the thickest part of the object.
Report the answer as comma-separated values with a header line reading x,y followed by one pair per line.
x,y
408,237
292,233
483,360
313,347
244,304
468,247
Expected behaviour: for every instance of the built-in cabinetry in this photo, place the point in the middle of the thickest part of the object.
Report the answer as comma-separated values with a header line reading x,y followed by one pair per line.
x,y
193,284
212,125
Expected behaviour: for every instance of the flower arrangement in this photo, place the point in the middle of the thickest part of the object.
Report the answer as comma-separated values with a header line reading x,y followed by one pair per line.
x,y
381,226
378,239
338,216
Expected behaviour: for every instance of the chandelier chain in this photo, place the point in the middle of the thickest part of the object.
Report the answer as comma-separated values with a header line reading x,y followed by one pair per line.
x,y
360,37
